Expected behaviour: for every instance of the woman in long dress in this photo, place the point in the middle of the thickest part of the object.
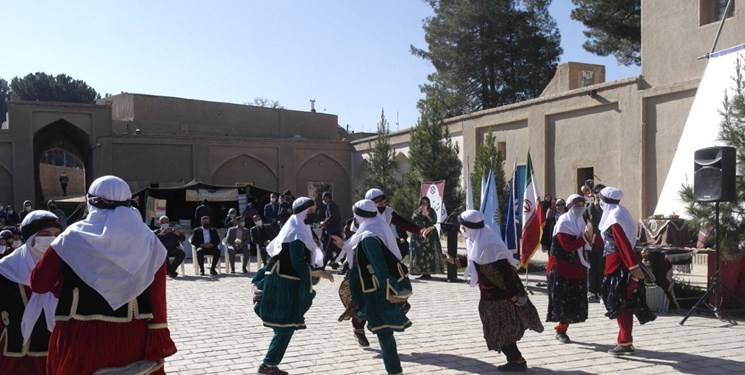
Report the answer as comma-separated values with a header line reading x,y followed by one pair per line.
x,y
284,287
378,280
567,269
109,272
426,250
505,309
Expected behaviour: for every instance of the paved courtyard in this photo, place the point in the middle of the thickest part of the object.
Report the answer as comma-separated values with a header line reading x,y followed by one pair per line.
x,y
216,331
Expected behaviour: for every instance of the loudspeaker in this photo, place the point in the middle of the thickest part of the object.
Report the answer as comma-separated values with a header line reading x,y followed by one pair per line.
x,y
714,174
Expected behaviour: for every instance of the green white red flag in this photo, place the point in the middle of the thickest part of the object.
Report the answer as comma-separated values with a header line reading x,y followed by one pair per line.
x,y
532,217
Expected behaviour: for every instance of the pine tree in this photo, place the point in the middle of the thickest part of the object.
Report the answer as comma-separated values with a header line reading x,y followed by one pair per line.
x,y
487,53
613,27
433,157
379,169
731,223
488,157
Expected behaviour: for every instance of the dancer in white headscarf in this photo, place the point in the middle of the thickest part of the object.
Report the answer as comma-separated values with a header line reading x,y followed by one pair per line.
x,y
109,272
27,318
284,287
504,307
398,224
377,280
623,294
567,268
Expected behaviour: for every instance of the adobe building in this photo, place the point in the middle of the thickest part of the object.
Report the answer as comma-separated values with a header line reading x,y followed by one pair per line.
x,y
623,133
153,141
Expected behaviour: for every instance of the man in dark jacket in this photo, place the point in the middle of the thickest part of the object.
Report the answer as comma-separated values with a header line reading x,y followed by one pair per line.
x,y
261,234
206,240
285,208
201,211
331,225
171,237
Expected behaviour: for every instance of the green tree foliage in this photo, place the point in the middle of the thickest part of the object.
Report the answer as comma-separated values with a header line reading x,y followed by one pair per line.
x,y
487,53
380,169
488,157
731,223
47,88
614,27
4,98
433,157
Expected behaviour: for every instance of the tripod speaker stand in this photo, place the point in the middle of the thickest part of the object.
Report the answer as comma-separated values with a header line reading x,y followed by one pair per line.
x,y
714,181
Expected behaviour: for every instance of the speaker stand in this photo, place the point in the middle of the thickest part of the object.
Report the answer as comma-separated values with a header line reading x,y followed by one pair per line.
x,y
716,285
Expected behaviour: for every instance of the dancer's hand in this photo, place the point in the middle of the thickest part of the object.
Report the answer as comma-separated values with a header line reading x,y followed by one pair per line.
x,y
427,231
327,275
450,259
337,241
637,273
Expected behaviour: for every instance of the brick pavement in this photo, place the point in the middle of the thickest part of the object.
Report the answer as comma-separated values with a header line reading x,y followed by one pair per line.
x,y
216,331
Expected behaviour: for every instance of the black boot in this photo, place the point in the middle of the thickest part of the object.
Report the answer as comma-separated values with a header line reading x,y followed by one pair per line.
x,y
361,338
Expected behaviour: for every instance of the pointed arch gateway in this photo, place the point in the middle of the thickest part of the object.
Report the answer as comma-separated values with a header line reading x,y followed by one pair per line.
x,y
245,168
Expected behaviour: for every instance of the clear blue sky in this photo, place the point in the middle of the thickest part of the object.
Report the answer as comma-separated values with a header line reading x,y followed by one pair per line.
x,y
352,57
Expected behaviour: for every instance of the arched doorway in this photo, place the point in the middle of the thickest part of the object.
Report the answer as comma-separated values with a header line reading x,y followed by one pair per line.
x,y
61,147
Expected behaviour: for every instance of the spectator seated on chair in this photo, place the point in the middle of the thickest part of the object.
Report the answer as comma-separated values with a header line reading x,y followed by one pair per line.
x,y
207,241
238,240
171,237
261,234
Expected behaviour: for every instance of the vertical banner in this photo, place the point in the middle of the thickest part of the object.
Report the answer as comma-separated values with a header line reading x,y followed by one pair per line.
x,y
435,191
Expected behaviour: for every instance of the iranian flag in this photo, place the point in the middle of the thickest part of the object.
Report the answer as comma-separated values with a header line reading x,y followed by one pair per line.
x,y
532,222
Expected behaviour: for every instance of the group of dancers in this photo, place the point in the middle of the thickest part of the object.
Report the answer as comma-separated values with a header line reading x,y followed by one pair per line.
x,y
376,288
84,301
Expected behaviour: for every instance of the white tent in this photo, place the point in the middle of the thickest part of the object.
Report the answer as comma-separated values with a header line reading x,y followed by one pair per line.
x,y
702,127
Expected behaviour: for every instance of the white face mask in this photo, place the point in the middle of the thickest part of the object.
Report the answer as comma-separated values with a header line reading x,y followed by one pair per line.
x,y
603,205
17,244
41,243
2,249
578,210
240,224
27,208
463,231
259,223
164,225
10,212
233,214
273,200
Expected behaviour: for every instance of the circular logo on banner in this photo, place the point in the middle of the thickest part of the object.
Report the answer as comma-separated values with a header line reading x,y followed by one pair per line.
x,y
528,206
432,189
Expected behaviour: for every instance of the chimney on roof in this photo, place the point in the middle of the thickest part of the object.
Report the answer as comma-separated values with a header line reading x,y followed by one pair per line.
x,y
313,105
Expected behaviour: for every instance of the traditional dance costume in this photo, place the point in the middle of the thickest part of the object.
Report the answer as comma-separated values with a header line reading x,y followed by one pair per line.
x,y
567,275
24,342
109,274
505,309
285,284
623,295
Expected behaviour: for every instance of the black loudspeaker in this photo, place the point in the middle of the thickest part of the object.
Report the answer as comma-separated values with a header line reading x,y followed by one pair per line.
x,y
714,174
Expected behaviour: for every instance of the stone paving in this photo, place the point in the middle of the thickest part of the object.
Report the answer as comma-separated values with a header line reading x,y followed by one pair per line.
x,y
216,332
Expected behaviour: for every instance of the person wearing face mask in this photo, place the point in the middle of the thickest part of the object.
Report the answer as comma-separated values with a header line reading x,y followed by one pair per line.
x,y
6,241
27,207
206,240
394,220
506,311
27,318
261,234
624,293
109,272
171,238
230,219
238,240
284,287
552,215
12,218
285,208
426,251
271,209
377,280
567,268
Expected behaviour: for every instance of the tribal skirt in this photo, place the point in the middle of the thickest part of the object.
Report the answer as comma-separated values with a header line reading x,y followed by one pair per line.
x,y
617,296
567,299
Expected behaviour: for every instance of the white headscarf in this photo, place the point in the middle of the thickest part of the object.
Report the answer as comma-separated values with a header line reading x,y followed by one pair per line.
x,y
573,225
112,250
387,213
614,213
483,244
17,268
296,229
374,226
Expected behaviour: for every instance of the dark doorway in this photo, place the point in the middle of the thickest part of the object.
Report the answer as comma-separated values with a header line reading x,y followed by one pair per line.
x,y
584,174
60,143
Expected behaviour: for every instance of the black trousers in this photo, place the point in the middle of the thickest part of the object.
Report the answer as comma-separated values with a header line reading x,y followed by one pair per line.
x,y
215,252
597,268
330,250
512,352
178,256
231,257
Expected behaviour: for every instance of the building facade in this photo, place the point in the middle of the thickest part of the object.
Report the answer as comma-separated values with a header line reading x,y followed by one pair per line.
x,y
622,133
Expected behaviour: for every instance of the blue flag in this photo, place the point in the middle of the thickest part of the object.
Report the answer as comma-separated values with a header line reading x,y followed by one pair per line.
x,y
490,204
510,223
